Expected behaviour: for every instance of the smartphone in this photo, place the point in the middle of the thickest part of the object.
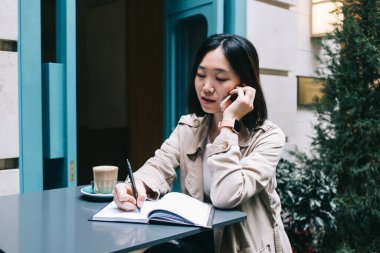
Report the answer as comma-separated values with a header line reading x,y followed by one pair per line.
x,y
227,101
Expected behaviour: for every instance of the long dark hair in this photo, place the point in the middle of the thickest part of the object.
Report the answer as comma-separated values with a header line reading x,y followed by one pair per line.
x,y
243,58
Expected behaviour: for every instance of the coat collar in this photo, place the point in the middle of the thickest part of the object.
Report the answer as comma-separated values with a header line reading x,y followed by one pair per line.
x,y
200,137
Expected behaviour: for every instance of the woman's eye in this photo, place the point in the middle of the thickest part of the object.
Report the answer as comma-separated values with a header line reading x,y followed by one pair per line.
x,y
221,79
201,75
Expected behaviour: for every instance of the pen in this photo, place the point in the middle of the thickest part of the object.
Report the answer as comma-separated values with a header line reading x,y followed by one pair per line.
x,y
130,174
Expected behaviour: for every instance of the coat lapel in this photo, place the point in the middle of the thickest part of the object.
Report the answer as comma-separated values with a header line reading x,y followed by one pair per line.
x,y
194,177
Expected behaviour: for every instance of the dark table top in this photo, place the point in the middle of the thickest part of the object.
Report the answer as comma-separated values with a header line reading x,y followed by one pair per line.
x,y
57,221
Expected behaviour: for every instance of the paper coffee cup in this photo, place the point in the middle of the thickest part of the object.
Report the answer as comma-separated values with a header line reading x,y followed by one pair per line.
x,y
105,178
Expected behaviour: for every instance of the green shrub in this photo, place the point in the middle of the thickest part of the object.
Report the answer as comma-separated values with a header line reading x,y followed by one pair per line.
x,y
307,197
346,145
347,140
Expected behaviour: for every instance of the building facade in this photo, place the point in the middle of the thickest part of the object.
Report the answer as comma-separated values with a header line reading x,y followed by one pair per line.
x,y
9,124
125,53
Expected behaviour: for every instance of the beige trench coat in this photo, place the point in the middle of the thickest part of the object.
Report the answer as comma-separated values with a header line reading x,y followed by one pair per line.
x,y
243,178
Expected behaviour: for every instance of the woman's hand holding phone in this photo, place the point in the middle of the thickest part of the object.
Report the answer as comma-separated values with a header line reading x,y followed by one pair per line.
x,y
242,105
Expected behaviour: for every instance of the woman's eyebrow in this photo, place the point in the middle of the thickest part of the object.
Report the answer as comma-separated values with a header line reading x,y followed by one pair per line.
x,y
221,70
217,69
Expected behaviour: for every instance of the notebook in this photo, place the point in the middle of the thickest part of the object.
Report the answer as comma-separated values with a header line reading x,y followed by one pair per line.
x,y
174,207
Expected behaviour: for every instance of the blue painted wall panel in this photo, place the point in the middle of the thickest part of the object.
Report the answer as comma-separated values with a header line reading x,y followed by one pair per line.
x,y
53,108
30,96
60,99
66,54
235,17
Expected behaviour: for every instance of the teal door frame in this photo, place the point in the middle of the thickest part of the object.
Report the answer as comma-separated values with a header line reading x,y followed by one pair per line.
x,y
30,95
66,55
47,99
227,16
176,11
235,17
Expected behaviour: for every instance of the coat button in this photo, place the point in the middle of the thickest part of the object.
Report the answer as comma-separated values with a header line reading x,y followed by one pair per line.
x,y
225,144
196,122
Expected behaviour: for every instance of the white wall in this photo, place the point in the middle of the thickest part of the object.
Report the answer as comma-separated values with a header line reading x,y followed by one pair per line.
x,y
8,83
306,64
8,17
8,105
9,141
9,182
280,93
272,31
280,31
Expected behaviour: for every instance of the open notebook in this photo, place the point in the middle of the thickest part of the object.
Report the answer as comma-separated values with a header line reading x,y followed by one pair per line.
x,y
173,207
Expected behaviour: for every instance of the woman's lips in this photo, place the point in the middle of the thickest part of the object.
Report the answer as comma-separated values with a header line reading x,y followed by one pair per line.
x,y
208,100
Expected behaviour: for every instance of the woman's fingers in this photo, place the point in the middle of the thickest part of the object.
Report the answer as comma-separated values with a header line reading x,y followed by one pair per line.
x,y
243,103
125,205
122,195
240,92
141,190
245,91
245,94
252,98
249,94
124,192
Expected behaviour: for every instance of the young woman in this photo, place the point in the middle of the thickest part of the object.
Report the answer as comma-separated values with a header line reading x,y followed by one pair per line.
x,y
226,149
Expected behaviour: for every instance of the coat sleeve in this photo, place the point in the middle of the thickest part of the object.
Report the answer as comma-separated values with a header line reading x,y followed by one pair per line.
x,y
158,173
235,179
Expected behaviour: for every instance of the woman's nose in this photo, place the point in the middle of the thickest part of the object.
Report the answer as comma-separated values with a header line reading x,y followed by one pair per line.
x,y
207,88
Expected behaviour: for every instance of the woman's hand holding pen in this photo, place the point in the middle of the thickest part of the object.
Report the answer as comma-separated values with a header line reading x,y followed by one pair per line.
x,y
123,196
242,105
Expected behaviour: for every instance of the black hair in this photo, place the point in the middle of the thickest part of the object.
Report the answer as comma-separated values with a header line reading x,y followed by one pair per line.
x,y
243,58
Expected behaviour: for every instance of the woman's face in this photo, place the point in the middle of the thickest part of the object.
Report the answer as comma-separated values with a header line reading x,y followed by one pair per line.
x,y
214,80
